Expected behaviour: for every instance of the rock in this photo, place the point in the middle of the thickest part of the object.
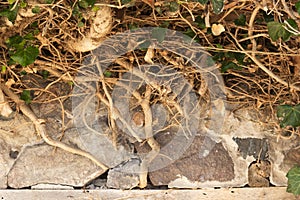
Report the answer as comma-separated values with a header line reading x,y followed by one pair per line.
x,y
258,174
192,171
235,159
15,134
124,176
99,145
44,164
258,148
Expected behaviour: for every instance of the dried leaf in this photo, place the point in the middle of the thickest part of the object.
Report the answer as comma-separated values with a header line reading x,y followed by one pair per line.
x,y
5,109
217,29
149,55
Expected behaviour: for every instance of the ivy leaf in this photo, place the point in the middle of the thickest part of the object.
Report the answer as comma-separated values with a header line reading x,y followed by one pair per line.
x,y
200,22
10,14
229,65
293,23
107,74
26,96
35,9
11,1
241,21
297,6
276,30
25,56
293,176
289,115
86,3
217,6
16,41
159,34
203,2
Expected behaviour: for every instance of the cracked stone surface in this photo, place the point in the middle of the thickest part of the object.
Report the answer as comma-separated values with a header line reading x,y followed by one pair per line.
x,y
216,166
43,164
243,143
27,161
15,134
124,176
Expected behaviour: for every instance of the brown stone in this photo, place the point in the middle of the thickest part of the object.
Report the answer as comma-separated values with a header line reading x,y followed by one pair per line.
x,y
216,166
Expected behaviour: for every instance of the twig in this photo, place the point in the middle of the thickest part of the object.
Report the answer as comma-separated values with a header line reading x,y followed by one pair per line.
x,y
149,135
261,66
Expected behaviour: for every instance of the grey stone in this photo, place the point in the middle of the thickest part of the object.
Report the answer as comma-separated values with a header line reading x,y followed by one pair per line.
x,y
124,176
258,148
15,134
99,145
44,164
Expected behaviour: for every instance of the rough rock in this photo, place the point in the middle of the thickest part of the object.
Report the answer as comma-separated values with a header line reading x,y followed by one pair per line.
x,y
237,158
193,170
15,134
124,176
44,164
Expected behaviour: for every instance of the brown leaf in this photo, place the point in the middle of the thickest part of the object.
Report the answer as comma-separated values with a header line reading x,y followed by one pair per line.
x,y
149,2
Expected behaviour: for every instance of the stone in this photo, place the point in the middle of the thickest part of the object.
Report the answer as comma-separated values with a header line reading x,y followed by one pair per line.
x,y
124,176
99,145
45,164
258,148
15,134
193,170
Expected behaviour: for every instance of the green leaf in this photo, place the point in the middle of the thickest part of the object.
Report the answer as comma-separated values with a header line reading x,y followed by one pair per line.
x,y
293,176
107,74
26,96
200,22
268,17
297,6
189,32
86,3
26,56
83,4
217,6
276,31
159,34
126,1
203,2
241,21
45,74
23,4
29,36
174,6
48,1
15,41
145,45
95,8
36,9
3,69
289,115
229,65
11,1
80,24
10,14
293,23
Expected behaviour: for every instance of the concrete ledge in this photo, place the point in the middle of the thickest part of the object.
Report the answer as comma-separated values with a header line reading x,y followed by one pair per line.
x,y
220,194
